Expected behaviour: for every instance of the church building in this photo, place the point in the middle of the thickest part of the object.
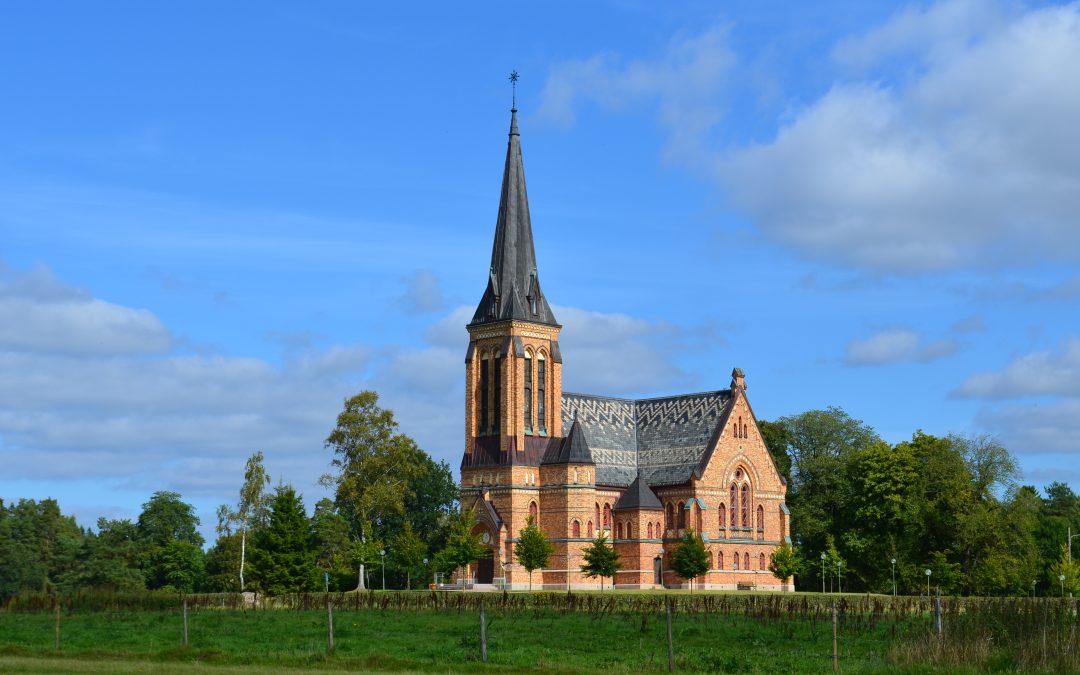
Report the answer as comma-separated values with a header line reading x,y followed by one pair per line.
x,y
639,472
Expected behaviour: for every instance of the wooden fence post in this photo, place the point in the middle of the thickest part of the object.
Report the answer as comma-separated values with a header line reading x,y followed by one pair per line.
x,y
937,612
835,651
329,625
184,612
670,644
483,633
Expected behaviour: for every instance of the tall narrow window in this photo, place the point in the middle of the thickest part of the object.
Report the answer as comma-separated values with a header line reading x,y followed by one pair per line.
x,y
760,518
735,561
597,509
590,529
497,380
534,510
745,505
761,561
734,505
681,515
723,516
746,561
650,531
528,394
670,517
607,516
483,395
575,529
618,531
541,399
719,560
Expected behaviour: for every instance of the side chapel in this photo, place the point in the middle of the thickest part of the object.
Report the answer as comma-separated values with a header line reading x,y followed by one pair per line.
x,y
638,471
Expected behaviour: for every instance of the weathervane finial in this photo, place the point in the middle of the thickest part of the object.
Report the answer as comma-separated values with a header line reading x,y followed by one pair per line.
x,y
513,86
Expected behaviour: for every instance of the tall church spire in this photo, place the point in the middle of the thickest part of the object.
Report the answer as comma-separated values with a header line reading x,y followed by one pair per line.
x,y
513,287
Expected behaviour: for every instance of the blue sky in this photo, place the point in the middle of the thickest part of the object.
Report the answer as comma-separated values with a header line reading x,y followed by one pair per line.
x,y
217,222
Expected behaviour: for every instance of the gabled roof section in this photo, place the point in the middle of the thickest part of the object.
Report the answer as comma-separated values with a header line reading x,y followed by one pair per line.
x,y
513,287
574,449
662,440
638,496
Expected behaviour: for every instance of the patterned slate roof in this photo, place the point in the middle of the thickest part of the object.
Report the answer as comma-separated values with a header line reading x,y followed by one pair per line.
x,y
638,496
574,449
661,439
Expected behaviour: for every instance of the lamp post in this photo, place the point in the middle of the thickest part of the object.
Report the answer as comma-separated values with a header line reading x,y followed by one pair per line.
x,y
823,572
425,567
1061,578
383,565
893,563
927,572
1033,587
839,588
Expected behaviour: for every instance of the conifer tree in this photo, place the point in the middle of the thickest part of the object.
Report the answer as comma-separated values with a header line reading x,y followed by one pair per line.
x,y
690,559
284,559
532,550
601,560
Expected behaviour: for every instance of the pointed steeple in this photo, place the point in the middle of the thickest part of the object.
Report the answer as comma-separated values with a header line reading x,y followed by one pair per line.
x,y
513,288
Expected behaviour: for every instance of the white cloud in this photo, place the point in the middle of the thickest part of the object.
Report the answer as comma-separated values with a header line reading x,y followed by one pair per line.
x,y
1038,429
896,345
1037,374
683,82
40,313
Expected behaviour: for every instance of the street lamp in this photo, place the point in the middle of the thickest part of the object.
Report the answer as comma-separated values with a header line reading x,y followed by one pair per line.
x,y
1061,578
425,566
822,571
1033,587
893,563
383,565
927,573
839,588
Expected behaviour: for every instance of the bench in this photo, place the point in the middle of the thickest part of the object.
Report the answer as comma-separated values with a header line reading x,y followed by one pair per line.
x,y
745,587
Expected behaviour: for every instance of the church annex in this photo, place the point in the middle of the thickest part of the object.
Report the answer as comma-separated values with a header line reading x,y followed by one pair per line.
x,y
640,472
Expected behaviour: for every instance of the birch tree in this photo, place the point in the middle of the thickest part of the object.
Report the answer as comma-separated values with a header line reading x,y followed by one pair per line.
x,y
253,509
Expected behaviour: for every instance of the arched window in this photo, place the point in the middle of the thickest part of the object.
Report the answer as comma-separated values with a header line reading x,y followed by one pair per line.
x,y
618,531
575,529
496,380
528,392
745,505
658,531
541,397
723,515
734,505
738,428
596,507
735,561
670,516
590,529
719,560
697,519
682,515
534,510
484,374
746,561
607,516
760,518
650,531
761,561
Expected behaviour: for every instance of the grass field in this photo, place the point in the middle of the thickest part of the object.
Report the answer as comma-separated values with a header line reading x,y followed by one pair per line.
x,y
619,637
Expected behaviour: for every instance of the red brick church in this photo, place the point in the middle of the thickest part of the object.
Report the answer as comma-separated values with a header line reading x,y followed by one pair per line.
x,y
638,471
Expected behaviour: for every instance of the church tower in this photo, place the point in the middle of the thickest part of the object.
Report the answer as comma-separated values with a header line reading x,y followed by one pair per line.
x,y
513,370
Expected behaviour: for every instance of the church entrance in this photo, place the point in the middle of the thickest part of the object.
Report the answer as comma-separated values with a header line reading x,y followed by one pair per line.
x,y
485,570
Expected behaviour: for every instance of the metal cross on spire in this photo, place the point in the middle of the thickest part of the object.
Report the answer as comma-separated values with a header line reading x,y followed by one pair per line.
x,y
513,85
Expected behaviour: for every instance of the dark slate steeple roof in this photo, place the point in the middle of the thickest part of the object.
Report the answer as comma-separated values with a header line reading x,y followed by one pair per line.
x,y
513,288
573,449
638,496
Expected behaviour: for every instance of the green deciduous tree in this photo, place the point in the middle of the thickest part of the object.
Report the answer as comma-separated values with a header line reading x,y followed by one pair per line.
x,y
284,560
690,559
222,561
165,518
532,549
463,547
785,562
252,511
111,558
333,548
407,551
374,465
601,560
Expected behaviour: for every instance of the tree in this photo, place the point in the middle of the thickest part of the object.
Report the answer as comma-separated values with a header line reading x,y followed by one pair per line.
x,y
690,559
601,560
532,550
1063,567
330,534
222,561
407,551
374,464
777,439
284,560
39,546
182,566
111,558
165,519
785,562
463,547
252,510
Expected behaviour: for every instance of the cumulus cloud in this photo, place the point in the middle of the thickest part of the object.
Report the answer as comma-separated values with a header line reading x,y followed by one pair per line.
x,y
896,345
40,313
1038,429
1046,373
963,155
422,293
